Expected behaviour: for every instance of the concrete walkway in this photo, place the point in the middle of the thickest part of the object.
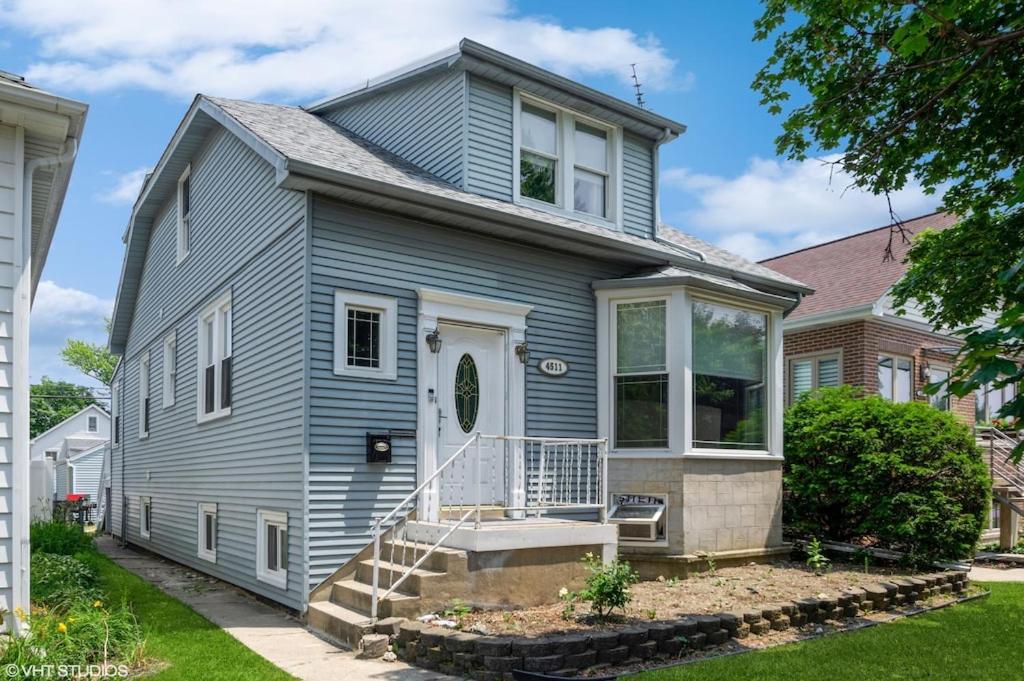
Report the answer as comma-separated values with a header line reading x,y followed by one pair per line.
x,y
987,574
269,631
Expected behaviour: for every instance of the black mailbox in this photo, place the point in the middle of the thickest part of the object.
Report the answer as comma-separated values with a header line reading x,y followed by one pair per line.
x,y
378,448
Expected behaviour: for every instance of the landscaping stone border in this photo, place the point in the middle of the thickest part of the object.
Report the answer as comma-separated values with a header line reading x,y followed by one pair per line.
x,y
492,658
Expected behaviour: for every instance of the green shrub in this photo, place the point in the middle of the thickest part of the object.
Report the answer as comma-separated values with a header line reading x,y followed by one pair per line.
x,y
903,476
65,539
607,586
60,582
87,634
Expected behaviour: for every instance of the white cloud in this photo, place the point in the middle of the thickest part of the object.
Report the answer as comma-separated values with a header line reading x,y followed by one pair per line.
x,y
302,48
126,186
59,313
776,206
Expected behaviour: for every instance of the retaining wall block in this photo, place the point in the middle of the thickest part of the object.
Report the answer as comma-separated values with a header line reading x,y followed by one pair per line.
x,y
502,663
718,637
613,655
604,640
698,640
410,631
671,647
581,660
487,646
659,631
645,650
708,624
543,663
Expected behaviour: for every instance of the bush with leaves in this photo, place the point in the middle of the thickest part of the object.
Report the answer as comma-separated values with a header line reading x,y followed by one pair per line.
x,y
902,476
59,582
65,539
606,589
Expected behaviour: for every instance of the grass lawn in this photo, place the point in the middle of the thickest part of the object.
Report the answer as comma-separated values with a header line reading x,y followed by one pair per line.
x,y
977,640
190,645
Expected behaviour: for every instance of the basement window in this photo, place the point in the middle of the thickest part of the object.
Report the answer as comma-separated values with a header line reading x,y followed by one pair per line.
x,y
207,532
272,548
145,517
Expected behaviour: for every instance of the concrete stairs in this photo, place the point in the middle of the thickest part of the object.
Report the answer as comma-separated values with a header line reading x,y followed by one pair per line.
x,y
339,609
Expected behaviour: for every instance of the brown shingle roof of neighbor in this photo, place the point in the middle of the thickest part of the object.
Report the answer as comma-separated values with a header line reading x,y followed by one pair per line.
x,y
852,271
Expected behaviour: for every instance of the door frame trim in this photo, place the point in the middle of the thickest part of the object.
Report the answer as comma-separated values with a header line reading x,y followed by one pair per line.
x,y
437,306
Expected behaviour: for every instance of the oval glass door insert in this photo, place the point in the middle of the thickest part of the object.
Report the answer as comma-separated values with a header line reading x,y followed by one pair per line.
x,y
467,393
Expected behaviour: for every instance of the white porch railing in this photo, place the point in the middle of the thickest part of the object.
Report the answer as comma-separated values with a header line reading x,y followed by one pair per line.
x,y
542,475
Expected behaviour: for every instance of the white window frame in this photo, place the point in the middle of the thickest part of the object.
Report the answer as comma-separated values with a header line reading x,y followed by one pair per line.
x,y
184,222
145,517
814,357
895,357
613,340
145,393
115,414
51,454
565,121
217,309
170,369
279,577
201,550
387,307
680,362
92,423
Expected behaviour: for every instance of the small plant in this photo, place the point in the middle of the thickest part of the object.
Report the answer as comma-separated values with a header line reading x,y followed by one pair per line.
x,y
568,599
652,614
457,610
672,582
607,586
816,558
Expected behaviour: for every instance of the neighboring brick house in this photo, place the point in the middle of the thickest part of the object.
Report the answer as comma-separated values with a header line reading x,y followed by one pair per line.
x,y
848,331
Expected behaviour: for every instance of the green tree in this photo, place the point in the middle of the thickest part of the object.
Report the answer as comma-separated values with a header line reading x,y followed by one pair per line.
x,y
932,91
92,359
53,401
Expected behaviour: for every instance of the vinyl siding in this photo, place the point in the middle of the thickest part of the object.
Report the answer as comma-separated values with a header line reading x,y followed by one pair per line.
x,y
637,186
489,140
422,122
249,238
87,474
364,251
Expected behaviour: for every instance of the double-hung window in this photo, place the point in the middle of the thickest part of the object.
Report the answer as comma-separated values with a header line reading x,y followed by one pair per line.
x,y
895,378
184,236
641,379
145,517
144,398
940,399
365,335
272,547
730,353
170,365
809,373
566,161
207,532
115,409
92,424
215,378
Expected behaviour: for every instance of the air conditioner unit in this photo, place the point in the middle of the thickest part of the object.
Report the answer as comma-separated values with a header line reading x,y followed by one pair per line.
x,y
641,518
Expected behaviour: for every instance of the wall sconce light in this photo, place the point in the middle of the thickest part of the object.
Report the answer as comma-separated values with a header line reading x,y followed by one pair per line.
x,y
434,341
926,371
523,352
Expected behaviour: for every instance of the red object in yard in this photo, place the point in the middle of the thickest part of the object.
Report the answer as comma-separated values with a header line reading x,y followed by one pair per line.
x,y
76,497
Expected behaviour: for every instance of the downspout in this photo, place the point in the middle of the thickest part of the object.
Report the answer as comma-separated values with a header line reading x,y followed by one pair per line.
x,y
22,308
666,136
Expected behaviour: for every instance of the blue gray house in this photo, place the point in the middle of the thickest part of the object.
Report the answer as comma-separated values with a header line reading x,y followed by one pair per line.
x,y
439,309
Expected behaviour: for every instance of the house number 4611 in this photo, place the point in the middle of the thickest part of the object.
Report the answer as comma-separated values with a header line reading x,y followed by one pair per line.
x,y
552,366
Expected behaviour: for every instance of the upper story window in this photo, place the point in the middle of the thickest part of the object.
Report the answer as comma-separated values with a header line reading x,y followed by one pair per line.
x,y
810,373
895,378
184,213
566,161
365,335
115,409
92,424
214,380
170,374
144,398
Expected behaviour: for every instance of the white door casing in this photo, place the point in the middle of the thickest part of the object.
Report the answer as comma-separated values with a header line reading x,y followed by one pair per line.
x,y
435,308
479,351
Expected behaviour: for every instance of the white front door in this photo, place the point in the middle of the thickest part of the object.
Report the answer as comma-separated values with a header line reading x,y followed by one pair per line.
x,y
471,399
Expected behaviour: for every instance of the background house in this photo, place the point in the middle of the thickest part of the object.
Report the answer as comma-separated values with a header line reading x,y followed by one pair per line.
x,y
79,432
39,134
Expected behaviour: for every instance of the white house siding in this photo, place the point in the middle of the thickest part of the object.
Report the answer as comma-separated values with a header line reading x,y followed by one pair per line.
x,y
74,426
11,172
364,251
87,468
249,237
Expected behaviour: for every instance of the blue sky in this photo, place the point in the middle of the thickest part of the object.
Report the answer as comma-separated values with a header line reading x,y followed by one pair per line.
x,y
138,64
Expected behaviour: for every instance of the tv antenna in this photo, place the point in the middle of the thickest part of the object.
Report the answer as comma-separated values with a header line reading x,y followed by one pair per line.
x,y
636,86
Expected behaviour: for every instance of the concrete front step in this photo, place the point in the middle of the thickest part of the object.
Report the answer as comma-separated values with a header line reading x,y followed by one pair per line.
x,y
338,623
358,596
407,553
391,572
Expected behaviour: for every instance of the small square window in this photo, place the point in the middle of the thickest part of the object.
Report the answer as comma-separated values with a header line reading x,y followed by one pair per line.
x,y
272,548
145,517
365,335
207,532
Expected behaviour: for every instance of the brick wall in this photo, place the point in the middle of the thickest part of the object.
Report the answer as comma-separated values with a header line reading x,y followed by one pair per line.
x,y
862,341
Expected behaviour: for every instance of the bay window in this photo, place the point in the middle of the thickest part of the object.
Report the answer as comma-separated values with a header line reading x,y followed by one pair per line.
x,y
729,396
566,161
215,367
895,378
641,375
